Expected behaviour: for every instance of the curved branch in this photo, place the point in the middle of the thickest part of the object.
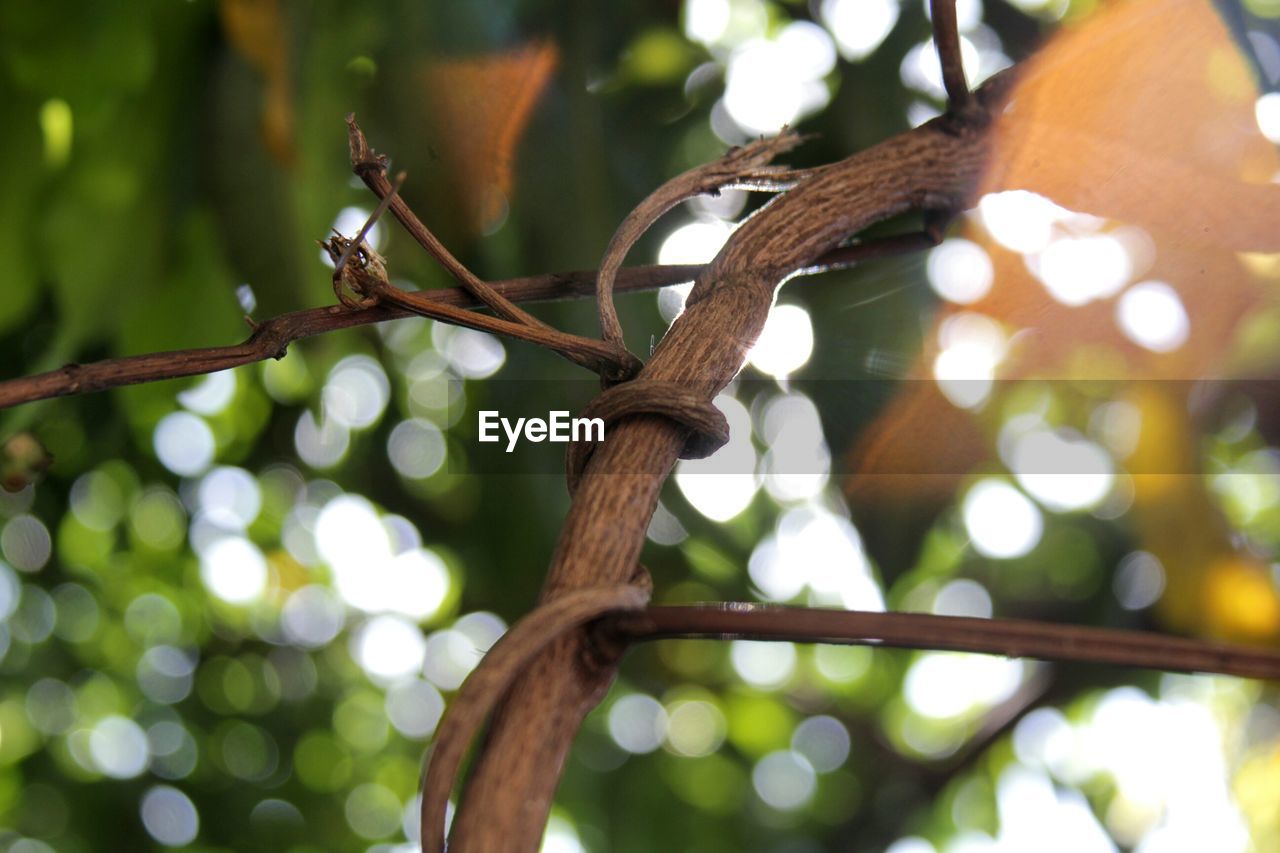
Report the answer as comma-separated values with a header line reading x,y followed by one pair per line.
x,y
1008,637
748,166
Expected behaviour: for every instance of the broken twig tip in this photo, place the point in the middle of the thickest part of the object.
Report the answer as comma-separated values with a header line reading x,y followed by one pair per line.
x,y
363,157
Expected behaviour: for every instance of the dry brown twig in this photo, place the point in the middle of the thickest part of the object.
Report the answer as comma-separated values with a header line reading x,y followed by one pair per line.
x,y
357,246
371,167
372,285
271,338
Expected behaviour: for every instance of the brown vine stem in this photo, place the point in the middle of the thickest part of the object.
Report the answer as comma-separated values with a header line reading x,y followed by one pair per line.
x,y
271,338
1009,637
935,167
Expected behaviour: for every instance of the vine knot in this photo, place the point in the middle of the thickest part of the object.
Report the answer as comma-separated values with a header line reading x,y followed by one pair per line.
x,y
709,430
359,273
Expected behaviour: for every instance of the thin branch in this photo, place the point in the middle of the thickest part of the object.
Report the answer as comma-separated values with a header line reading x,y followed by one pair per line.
x,y
369,222
843,257
746,165
469,709
596,355
610,359
1008,637
370,167
271,338
946,37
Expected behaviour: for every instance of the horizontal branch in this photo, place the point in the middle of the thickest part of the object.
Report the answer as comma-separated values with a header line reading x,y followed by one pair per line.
x,y
271,338
1008,637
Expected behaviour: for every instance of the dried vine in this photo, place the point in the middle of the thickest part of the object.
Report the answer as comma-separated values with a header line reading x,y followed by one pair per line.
x,y
934,168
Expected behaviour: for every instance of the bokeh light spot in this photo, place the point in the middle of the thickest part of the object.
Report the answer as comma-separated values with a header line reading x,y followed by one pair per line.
x,y
414,708
785,343
859,26
416,448
471,354
356,392
388,648
234,570
784,780
372,811
1152,315
26,543
118,747
1267,111
169,816
211,394
695,728
1001,521
312,616
321,444
183,443
1139,581
823,741
960,271
637,723
762,664
945,685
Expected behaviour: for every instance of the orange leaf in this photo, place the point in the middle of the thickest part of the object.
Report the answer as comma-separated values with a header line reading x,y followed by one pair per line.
x,y
258,31
1141,117
481,106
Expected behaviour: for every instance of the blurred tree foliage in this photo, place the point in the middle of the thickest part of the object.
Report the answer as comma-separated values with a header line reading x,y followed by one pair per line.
x,y
233,609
